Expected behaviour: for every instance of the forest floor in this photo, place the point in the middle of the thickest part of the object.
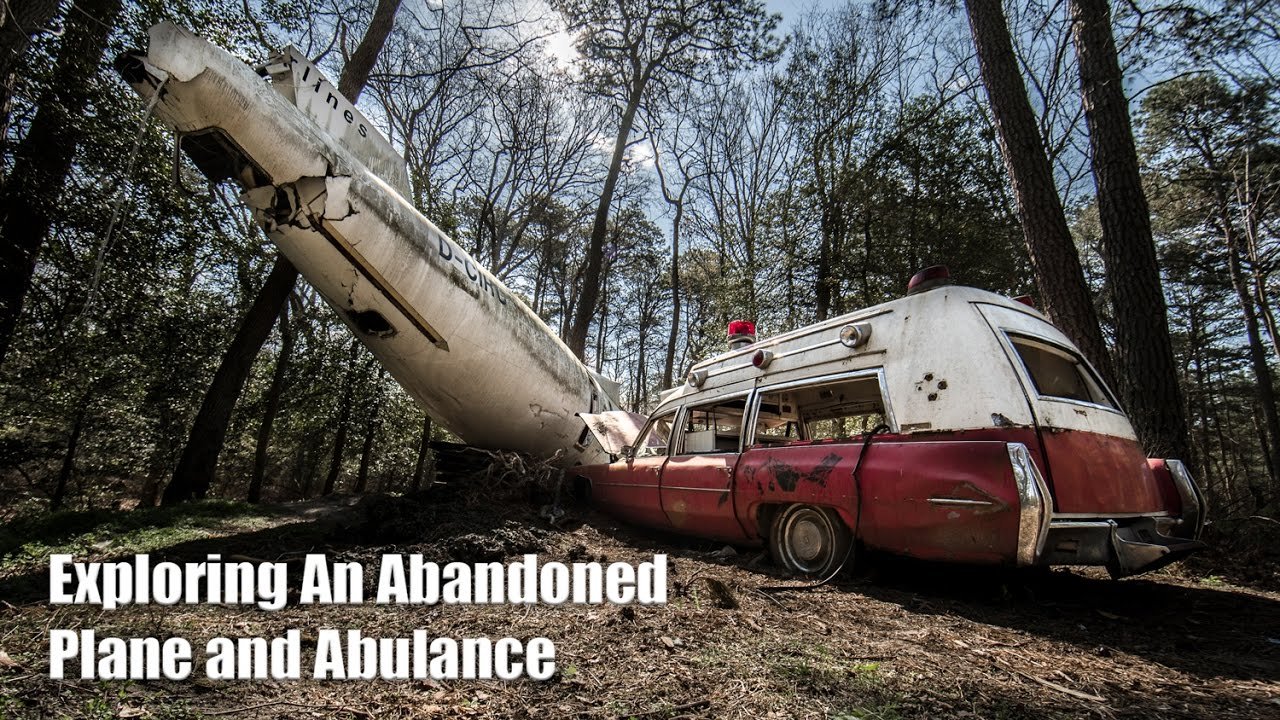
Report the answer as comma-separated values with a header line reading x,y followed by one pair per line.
x,y
900,640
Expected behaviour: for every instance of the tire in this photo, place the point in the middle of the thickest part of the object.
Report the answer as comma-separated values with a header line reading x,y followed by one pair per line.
x,y
809,540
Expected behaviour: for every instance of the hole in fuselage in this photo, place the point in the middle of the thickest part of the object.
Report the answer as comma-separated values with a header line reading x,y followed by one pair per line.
x,y
372,322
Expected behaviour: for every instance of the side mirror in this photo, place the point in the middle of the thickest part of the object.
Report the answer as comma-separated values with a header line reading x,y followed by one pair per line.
x,y
628,453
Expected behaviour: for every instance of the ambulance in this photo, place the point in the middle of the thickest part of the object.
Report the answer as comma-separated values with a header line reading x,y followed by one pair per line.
x,y
952,424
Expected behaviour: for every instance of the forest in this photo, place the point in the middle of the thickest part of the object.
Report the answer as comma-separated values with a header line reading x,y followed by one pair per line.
x,y
640,172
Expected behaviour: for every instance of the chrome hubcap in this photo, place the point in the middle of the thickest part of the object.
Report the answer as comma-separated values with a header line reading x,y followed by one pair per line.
x,y
806,540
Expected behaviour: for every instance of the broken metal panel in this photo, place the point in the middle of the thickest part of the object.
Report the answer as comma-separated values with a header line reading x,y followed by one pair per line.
x,y
301,82
614,429
610,387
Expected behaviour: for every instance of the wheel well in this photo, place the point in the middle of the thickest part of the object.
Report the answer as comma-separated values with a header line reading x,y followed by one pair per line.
x,y
766,512
764,518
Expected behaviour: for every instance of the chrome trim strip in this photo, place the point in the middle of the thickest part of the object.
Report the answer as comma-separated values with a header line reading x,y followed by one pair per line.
x,y
964,502
727,369
1081,403
1036,505
1095,524
1189,494
1100,518
724,489
828,343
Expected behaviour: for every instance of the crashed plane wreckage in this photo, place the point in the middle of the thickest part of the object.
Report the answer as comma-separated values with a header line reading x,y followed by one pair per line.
x,y
331,191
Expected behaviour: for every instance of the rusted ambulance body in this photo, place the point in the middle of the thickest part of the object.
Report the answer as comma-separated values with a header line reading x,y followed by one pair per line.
x,y
952,424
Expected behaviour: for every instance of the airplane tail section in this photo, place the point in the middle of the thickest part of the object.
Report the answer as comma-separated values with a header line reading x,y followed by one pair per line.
x,y
298,79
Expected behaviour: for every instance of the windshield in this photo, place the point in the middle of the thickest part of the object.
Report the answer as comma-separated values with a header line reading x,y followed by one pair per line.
x,y
655,437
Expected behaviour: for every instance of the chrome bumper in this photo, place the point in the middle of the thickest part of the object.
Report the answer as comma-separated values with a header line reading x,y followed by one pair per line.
x,y
1125,546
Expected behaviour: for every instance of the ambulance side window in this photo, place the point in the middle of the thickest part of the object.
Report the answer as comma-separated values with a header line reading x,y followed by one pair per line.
x,y
713,428
777,421
656,435
823,411
843,410
1058,373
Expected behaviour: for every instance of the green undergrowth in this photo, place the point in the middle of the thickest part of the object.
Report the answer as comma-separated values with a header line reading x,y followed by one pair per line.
x,y
27,542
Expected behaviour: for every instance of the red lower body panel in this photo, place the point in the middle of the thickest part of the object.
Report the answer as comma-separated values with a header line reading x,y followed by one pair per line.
x,y
1102,475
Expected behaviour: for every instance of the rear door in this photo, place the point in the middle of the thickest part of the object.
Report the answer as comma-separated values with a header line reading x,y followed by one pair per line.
x,y
697,482
1094,464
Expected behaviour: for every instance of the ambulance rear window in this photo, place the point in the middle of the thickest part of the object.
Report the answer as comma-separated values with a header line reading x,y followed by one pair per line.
x,y
1059,373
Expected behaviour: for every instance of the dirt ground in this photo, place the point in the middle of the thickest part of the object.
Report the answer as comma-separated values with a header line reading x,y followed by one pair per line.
x,y
896,640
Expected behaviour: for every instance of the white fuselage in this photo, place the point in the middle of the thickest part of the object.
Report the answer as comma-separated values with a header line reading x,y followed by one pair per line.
x,y
455,337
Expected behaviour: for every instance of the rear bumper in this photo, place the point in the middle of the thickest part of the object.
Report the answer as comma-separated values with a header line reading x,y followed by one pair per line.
x,y
1125,547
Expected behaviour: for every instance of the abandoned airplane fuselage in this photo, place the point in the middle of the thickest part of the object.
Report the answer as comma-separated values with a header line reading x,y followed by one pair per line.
x,y
330,191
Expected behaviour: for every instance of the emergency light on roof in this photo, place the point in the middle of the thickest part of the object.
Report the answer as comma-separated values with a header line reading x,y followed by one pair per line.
x,y
741,333
928,279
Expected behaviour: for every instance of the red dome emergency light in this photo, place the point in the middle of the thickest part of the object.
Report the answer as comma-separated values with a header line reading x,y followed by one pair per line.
x,y
741,333
928,279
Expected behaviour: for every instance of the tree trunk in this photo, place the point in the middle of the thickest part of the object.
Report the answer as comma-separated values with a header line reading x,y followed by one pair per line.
x,y
1056,263
195,471
366,455
273,407
344,421
69,459
20,22
1269,432
339,448
304,477
30,199
823,284
1259,277
578,330
355,73
668,365
1143,352
195,475
370,435
424,453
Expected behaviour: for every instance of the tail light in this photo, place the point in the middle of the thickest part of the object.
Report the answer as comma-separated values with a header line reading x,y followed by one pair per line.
x,y
1036,505
1194,507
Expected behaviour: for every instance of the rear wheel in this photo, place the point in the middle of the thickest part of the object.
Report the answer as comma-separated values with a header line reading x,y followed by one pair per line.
x,y
809,540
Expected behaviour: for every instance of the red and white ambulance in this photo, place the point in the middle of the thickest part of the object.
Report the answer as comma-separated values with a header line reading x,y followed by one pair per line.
x,y
952,424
